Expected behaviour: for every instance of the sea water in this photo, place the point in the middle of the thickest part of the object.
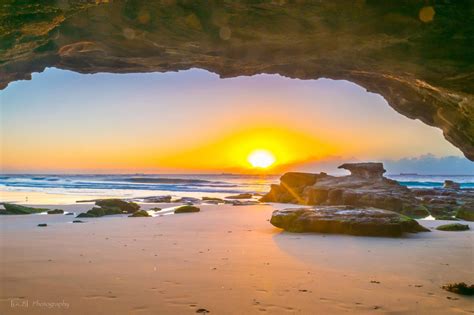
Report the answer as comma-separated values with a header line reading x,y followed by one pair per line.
x,y
27,188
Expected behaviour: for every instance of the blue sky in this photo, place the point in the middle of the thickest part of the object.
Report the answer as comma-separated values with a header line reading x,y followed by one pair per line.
x,y
138,121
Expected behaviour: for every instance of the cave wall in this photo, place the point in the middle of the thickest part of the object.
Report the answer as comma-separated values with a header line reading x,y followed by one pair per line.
x,y
417,54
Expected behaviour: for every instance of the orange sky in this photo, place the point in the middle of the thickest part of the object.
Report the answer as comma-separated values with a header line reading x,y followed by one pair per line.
x,y
193,121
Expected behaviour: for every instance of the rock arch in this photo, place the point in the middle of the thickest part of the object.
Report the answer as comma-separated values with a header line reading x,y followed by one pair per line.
x,y
417,54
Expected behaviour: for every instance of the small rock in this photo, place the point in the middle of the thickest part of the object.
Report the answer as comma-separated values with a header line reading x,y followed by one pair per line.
x,y
186,209
139,214
459,288
453,227
449,184
42,224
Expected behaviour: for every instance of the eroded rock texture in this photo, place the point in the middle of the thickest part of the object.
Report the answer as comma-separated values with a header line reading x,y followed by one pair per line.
x,y
345,220
367,187
417,54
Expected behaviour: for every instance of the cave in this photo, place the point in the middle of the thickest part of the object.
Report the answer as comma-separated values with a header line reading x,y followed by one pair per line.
x,y
417,54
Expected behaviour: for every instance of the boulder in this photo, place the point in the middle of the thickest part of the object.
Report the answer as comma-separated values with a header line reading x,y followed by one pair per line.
x,y
18,209
56,211
139,213
100,212
186,209
351,220
125,206
449,184
93,213
453,227
240,196
466,212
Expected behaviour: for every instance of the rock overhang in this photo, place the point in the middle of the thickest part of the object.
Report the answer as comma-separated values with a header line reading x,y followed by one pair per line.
x,y
418,55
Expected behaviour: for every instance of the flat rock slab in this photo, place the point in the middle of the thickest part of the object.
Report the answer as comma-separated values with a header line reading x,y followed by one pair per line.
x,y
345,220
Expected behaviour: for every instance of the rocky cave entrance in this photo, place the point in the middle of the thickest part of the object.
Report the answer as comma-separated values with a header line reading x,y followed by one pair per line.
x,y
417,54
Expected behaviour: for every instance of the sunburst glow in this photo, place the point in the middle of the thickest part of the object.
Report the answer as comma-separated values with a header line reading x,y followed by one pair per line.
x,y
261,159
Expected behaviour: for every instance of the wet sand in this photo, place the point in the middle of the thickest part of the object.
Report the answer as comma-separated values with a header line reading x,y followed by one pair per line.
x,y
227,260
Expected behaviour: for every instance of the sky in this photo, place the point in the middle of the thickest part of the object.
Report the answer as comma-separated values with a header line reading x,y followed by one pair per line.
x,y
193,121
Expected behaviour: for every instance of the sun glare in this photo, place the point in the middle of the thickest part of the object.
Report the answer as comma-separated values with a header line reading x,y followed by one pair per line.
x,y
261,159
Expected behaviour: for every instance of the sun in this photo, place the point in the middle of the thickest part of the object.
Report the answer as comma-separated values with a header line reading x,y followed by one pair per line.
x,y
261,159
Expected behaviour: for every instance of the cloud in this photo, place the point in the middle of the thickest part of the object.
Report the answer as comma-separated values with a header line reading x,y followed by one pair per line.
x,y
428,164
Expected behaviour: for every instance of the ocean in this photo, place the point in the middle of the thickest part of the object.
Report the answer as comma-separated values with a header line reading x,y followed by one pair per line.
x,y
78,187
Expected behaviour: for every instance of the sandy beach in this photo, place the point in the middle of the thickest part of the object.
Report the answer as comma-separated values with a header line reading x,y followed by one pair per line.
x,y
226,260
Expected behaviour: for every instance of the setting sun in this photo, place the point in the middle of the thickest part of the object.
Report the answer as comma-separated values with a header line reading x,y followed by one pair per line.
x,y
261,159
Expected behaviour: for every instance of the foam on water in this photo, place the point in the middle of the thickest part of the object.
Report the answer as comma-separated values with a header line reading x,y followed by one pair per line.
x,y
140,185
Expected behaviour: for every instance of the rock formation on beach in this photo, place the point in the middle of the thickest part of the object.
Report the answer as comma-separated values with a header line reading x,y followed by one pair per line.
x,y
449,184
366,186
110,207
453,227
18,209
459,288
186,209
139,214
240,196
56,211
351,220
125,206
388,47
